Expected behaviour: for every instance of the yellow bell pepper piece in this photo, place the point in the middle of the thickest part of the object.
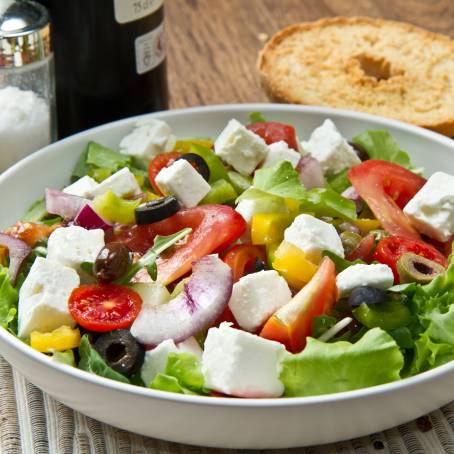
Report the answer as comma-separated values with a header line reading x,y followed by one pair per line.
x,y
267,228
184,146
366,225
293,265
60,339
292,205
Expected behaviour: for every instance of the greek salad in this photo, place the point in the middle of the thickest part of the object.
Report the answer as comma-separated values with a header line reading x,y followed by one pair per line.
x,y
252,265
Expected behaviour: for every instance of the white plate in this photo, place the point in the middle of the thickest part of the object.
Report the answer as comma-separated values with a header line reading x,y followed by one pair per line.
x,y
222,422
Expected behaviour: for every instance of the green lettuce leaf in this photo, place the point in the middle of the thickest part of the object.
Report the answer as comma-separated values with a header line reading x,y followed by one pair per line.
x,y
66,357
382,145
104,157
36,212
326,202
339,182
324,368
182,375
9,298
282,181
91,361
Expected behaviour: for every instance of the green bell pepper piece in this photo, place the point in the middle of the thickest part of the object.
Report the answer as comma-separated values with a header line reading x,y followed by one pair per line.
x,y
239,182
221,192
388,316
115,209
214,163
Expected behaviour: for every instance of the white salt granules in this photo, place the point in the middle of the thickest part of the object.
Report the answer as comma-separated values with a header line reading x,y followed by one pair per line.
x,y
24,124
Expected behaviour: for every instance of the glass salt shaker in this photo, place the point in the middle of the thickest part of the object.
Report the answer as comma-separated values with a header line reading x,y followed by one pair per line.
x,y
27,85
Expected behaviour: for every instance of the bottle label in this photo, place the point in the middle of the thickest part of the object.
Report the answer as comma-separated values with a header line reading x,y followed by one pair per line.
x,y
150,49
131,10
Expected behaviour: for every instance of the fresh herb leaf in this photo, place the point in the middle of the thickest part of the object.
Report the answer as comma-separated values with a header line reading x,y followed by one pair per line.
x,y
91,361
87,267
324,368
256,117
161,243
340,263
321,324
382,145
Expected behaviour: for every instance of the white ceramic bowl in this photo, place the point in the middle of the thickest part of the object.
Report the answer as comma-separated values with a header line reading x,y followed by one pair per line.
x,y
222,422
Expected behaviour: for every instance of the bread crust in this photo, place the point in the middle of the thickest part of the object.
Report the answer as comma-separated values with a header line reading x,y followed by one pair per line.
x,y
277,90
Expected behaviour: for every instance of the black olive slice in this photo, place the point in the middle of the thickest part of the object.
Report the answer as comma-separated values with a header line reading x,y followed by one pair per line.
x,y
156,210
120,351
198,163
360,151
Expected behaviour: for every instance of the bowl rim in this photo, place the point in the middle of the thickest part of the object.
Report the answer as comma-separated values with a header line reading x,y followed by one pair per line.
x,y
15,343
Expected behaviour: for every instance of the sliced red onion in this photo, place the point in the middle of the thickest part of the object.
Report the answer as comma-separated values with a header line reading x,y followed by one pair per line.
x,y
18,251
310,172
65,205
89,219
201,302
352,194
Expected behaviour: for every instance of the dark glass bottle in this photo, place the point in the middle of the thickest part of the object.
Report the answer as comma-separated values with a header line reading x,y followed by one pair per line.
x,y
109,60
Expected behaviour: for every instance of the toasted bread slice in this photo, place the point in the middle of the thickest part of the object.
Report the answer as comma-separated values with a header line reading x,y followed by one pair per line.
x,y
387,68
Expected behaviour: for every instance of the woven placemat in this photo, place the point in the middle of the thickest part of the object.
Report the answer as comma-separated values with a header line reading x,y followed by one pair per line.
x,y
31,422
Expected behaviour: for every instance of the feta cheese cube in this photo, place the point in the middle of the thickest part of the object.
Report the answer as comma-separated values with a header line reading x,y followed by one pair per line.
x,y
240,148
149,138
71,246
375,275
312,236
241,364
122,183
155,360
184,182
327,145
280,151
83,187
255,297
43,297
431,210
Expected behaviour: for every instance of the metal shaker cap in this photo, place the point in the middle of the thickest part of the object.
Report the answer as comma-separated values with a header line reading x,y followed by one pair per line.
x,y
24,33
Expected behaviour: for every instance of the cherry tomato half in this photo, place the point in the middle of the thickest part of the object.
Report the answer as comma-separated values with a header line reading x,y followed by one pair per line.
x,y
273,131
104,308
214,227
390,249
157,164
242,256
387,187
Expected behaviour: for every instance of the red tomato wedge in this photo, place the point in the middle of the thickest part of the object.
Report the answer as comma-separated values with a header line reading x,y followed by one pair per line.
x,y
104,308
214,227
242,256
364,250
390,249
387,187
292,323
273,131
157,164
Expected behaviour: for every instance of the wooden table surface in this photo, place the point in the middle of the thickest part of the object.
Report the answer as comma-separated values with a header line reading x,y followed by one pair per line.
x,y
213,44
